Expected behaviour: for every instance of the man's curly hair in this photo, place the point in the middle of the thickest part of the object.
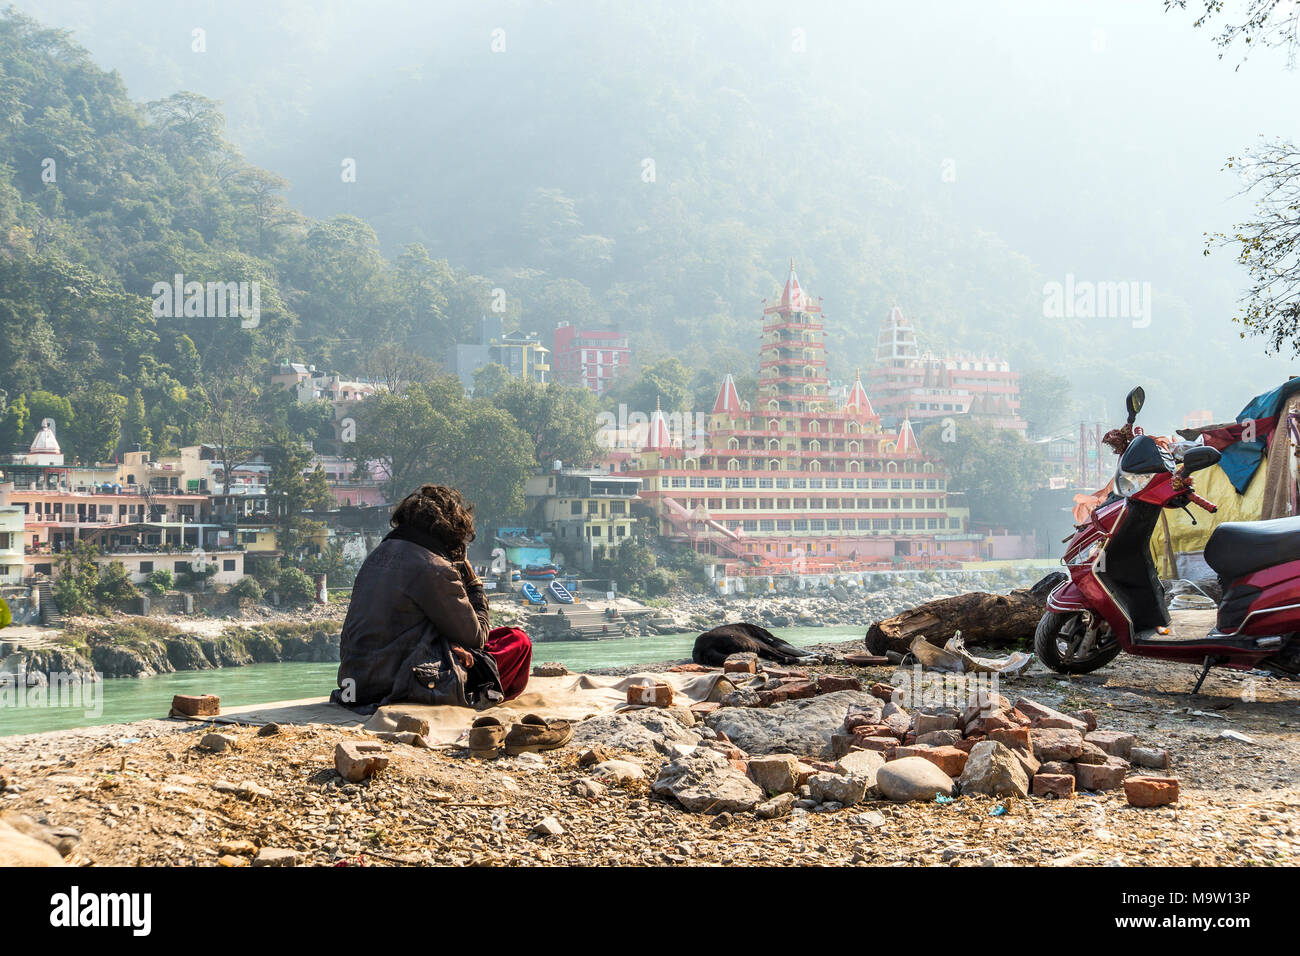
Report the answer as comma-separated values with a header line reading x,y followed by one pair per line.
x,y
441,512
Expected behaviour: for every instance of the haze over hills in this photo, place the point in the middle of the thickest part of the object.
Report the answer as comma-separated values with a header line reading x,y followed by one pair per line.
x,y
903,158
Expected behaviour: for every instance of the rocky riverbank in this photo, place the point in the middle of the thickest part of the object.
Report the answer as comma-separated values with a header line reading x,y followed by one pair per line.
x,y
149,794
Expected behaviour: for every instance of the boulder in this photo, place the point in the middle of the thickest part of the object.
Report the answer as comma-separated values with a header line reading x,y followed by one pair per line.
x,y
913,778
864,764
705,782
651,729
217,743
775,773
843,789
994,770
802,727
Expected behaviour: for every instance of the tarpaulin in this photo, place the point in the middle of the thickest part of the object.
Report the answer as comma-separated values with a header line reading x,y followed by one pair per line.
x,y
1256,422
1184,537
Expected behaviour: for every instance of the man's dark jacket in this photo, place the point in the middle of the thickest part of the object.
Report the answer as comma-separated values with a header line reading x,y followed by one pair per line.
x,y
410,603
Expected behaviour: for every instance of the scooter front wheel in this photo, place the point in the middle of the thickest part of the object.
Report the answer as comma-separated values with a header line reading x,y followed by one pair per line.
x,y
1057,642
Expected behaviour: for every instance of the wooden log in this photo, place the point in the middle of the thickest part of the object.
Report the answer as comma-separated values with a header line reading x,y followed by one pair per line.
x,y
994,620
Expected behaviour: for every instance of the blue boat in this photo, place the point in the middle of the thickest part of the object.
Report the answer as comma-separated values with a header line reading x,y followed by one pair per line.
x,y
530,591
560,592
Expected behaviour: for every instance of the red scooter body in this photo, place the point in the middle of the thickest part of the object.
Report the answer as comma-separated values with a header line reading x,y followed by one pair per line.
x,y
1111,576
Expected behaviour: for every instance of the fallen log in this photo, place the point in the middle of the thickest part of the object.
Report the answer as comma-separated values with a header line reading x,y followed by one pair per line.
x,y
993,620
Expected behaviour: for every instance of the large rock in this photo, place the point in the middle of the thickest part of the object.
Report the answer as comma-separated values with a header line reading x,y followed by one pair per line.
x,y
913,778
775,773
704,782
994,770
802,727
845,790
865,764
651,729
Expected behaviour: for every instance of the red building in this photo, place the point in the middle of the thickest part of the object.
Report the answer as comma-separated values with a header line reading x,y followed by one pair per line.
x,y
592,358
907,383
796,482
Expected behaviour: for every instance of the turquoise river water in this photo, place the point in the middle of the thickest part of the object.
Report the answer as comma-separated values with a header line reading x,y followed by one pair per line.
x,y
120,700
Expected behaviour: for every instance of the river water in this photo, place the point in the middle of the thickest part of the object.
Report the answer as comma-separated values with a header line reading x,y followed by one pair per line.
x,y
118,700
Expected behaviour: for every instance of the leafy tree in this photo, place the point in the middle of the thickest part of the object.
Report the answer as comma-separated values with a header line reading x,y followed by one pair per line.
x,y
114,587
295,586
1254,23
561,421
293,489
491,380
231,420
998,470
665,384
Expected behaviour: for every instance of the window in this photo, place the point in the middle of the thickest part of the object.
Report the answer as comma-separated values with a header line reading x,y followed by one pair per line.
x,y
575,507
146,567
621,531
228,564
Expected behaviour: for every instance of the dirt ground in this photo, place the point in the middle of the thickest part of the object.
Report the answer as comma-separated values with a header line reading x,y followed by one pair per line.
x,y
144,794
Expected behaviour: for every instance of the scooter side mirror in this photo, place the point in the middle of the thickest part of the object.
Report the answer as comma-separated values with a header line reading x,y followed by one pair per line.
x,y
1202,456
1134,402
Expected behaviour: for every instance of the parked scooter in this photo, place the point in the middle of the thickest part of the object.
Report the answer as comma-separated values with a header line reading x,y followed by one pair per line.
x,y
1113,600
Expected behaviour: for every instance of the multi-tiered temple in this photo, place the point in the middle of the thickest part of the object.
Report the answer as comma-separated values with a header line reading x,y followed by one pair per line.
x,y
796,481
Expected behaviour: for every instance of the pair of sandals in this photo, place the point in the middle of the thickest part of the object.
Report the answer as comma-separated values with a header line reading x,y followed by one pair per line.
x,y
488,736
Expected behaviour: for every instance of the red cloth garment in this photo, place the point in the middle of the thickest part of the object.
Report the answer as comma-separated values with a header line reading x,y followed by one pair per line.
x,y
512,649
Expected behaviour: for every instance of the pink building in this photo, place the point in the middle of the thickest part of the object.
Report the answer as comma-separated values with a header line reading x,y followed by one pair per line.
x,y
592,358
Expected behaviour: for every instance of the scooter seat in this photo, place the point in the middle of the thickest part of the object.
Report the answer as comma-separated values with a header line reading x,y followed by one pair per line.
x,y
1238,548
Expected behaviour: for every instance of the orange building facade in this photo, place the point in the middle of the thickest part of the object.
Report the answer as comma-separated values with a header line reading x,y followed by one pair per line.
x,y
795,482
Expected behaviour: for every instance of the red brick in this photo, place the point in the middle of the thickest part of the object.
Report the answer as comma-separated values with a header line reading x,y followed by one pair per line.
x,y
1147,791
828,684
704,707
883,691
1053,785
740,667
853,721
1088,717
1101,776
884,745
355,760
652,694
969,742
204,705
950,760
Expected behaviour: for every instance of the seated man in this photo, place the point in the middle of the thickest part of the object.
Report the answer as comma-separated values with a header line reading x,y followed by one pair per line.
x,y
417,627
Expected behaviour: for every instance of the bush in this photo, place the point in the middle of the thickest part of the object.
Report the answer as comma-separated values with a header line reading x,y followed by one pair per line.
x,y
658,581
159,582
247,587
114,586
6,616
296,587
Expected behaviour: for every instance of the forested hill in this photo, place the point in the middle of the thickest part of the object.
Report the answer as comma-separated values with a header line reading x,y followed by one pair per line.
x,y
101,198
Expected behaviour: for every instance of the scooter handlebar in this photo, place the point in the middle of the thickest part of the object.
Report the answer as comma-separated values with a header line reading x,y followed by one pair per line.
x,y
1196,499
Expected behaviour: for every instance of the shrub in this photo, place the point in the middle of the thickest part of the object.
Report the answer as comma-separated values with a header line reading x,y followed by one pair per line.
x,y
247,587
159,582
658,581
6,616
296,587
114,586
